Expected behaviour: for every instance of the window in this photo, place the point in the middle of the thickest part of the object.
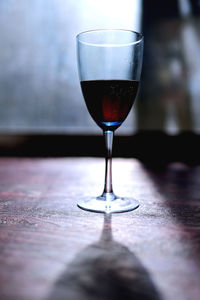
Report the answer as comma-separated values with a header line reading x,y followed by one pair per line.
x,y
39,86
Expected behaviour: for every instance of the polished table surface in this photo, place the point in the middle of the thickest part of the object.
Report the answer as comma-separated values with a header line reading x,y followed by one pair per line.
x,y
51,249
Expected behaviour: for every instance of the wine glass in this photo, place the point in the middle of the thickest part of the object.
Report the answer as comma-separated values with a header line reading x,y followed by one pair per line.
x,y
109,64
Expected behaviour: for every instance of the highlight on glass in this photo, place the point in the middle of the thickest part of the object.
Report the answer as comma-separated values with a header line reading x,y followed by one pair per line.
x,y
109,64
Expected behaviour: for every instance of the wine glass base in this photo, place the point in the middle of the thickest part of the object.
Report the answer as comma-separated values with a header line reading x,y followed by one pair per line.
x,y
100,205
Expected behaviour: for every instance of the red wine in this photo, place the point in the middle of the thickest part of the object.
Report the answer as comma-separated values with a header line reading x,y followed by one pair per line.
x,y
109,101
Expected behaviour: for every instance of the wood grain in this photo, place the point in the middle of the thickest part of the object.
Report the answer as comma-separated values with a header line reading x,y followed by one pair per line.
x,y
50,249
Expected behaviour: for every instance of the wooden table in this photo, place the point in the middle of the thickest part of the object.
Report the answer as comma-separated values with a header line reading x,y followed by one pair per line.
x,y
50,249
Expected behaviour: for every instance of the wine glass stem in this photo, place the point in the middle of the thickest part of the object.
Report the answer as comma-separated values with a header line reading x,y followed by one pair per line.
x,y
108,191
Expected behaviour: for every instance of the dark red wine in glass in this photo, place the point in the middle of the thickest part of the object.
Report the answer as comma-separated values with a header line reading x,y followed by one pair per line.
x,y
109,101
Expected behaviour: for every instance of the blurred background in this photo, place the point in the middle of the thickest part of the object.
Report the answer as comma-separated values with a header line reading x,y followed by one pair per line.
x,y
42,108
171,71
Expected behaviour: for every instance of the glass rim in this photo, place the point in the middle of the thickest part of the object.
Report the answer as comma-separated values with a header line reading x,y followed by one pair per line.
x,y
140,38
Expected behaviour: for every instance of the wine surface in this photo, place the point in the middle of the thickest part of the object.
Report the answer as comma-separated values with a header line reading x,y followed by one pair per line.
x,y
109,101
